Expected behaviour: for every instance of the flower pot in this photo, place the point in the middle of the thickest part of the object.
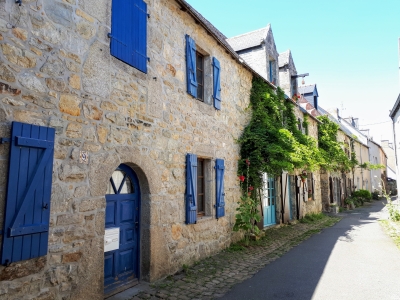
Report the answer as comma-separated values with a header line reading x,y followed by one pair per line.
x,y
335,209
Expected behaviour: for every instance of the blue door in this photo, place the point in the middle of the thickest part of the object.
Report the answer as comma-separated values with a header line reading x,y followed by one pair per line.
x,y
121,266
269,200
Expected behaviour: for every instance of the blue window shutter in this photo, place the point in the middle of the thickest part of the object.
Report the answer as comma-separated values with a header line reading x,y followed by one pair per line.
x,y
191,66
217,83
27,210
191,188
219,173
129,32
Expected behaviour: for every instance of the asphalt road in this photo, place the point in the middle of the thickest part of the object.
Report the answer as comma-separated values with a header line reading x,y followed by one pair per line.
x,y
354,260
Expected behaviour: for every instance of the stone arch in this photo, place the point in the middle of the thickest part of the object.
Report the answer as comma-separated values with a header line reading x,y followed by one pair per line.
x,y
104,164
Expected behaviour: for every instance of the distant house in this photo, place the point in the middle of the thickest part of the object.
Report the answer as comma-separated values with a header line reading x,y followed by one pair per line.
x,y
310,93
257,48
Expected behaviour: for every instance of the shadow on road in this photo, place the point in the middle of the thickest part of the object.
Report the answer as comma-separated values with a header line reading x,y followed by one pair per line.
x,y
296,274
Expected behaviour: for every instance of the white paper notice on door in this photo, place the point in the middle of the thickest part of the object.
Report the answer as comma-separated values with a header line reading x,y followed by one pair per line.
x,y
111,239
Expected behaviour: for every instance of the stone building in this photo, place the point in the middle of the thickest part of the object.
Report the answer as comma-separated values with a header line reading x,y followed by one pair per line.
x,y
136,138
337,186
290,197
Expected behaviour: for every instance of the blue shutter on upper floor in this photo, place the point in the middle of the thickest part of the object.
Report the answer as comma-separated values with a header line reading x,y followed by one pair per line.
x,y
27,210
220,196
129,32
191,66
191,189
217,83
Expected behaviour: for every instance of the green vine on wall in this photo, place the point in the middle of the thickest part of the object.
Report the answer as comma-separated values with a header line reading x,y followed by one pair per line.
x,y
272,141
334,157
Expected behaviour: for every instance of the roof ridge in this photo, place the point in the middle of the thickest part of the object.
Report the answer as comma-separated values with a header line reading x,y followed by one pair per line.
x,y
243,34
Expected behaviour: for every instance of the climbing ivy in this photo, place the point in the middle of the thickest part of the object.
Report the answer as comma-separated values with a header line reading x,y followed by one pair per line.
x,y
272,141
334,157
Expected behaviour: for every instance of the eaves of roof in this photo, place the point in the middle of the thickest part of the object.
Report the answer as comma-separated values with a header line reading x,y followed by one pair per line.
x,y
395,108
380,147
217,35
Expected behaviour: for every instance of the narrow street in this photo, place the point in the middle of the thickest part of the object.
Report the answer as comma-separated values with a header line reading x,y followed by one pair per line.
x,y
354,259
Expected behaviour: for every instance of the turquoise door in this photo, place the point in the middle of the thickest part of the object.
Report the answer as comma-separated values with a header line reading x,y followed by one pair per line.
x,y
269,201
121,265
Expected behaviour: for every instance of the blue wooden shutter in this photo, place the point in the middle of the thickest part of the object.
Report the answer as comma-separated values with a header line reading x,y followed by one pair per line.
x,y
27,210
219,174
217,83
191,66
129,32
191,188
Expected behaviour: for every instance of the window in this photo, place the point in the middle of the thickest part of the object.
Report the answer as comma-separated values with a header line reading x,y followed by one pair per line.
x,y
129,33
299,124
200,76
203,74
201,195
272,71
204,188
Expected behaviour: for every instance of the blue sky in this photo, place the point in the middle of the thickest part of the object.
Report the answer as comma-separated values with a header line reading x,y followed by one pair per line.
x,y
350,48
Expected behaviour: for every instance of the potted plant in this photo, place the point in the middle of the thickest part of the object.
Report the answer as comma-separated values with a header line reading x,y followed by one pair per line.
x,y
350,203
310,195
334,208
303,176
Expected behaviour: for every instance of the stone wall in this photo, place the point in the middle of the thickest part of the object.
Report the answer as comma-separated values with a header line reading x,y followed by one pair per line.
x,y
56,70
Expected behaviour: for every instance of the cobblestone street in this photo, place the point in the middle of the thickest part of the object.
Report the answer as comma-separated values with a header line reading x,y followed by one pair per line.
x,y
213,277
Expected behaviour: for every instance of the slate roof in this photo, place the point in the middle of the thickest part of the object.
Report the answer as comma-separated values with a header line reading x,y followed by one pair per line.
x,y
284,58
249,39
306,89
307,106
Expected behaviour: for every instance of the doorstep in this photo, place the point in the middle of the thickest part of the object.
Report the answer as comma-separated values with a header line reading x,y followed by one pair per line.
x,y
131,292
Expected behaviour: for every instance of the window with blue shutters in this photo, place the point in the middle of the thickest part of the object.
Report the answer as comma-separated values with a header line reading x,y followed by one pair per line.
x,y
216,83
27,210
129,32
220,193
200,191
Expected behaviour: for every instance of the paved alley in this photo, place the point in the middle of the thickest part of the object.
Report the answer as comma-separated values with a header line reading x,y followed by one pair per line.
x,y
354,259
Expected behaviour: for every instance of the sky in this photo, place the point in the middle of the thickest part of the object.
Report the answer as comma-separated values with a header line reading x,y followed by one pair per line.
x,y
350,48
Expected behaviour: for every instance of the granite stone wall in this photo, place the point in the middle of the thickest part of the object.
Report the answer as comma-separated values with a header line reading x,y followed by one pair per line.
x,y
56,70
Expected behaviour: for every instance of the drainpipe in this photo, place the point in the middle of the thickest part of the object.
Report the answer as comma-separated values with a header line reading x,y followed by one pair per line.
x,y
362,171
395,155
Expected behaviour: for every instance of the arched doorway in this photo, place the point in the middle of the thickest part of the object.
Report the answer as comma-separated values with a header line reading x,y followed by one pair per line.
x,y
121,265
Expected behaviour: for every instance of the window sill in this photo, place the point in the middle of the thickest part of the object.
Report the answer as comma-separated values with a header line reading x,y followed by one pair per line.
x,y
204,219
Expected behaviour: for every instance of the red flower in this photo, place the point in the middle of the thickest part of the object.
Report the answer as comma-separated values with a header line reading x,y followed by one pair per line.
x,y
251,188
247,162
241,178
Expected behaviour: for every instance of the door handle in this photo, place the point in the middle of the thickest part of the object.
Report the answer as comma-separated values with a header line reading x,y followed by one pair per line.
x,y
136,225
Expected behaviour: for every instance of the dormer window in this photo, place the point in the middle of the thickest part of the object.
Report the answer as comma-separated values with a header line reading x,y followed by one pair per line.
x,y
272,71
